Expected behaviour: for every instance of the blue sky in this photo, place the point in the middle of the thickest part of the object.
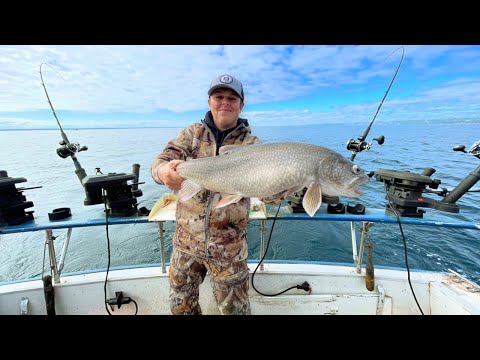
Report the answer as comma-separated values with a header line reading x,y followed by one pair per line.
x,y
164,85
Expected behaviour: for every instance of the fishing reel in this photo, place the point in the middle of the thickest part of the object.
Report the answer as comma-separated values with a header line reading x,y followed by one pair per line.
x,y
474,150
69,149
404,189
360,144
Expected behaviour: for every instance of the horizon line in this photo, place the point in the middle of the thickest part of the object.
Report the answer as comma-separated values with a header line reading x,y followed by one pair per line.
x,y
257,125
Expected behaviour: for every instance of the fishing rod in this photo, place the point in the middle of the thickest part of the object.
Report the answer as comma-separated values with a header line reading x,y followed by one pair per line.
x,y
112,188
356,146
67,148
360,144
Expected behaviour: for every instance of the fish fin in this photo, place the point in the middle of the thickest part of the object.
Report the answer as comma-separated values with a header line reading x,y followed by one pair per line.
x,y
292,190
225,149
283,194
277,198
312,199
227,200
189,189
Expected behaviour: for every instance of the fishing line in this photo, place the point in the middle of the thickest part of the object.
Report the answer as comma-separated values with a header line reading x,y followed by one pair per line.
x,y
108,254
305,286
406,254
43,262
357,146
119,300
46,93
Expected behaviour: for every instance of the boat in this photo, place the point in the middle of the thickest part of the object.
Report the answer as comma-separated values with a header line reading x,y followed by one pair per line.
x,y
317,288
288,287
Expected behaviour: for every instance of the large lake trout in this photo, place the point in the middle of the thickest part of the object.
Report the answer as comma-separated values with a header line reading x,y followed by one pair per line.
x,y
264,170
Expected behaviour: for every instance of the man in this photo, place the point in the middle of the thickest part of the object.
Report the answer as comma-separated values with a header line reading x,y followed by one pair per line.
x,y
208,239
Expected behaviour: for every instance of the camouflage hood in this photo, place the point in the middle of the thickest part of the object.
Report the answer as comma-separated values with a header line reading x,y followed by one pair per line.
x,y
221,135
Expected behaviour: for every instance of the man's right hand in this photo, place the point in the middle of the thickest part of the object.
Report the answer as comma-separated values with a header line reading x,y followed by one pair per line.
x,y
169,175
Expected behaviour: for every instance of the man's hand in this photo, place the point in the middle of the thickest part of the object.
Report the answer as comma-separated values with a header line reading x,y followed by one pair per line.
x,y
169,175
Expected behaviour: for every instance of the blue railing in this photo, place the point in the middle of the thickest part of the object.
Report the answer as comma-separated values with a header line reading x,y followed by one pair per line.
x,y
372,215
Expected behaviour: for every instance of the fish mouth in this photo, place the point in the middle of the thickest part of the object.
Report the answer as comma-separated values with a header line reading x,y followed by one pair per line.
x,y
357,182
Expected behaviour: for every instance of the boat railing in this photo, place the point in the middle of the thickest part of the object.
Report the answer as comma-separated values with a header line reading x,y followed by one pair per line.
x,y
371,216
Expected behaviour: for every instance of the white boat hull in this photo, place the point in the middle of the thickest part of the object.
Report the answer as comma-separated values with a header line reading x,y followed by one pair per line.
x,y
336,290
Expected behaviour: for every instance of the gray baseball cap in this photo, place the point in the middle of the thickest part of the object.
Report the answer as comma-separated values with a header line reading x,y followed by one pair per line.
x,y
226,81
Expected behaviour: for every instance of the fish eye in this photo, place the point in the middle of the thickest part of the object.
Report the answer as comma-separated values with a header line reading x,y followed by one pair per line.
x,y
356,169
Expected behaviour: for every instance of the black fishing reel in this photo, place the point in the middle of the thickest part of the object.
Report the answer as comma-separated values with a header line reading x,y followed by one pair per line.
x,y
474,150
69,149
360,144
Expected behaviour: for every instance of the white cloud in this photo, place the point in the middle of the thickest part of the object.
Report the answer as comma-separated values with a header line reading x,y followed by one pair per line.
x,y
144,79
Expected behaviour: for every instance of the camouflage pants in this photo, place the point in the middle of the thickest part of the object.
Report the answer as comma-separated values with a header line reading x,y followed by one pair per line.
x,y
229,282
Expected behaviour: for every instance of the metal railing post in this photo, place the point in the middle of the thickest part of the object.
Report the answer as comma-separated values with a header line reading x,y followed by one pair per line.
x,y
366,225
51,255
64,251
354,242
263,225
162,246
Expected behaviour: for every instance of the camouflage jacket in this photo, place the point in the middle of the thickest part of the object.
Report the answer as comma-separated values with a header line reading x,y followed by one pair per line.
x,y
201,230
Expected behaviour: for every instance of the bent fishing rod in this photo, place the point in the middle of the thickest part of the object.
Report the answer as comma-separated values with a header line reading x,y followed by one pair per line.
x,y
360,144
67,148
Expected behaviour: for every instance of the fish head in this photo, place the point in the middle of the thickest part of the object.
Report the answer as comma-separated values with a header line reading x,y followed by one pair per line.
x,y
338,176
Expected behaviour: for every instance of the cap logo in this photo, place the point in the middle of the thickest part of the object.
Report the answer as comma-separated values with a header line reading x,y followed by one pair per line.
x,y
226,79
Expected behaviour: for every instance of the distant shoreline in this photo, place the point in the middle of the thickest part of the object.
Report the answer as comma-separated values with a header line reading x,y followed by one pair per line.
x,y
102,128
420,122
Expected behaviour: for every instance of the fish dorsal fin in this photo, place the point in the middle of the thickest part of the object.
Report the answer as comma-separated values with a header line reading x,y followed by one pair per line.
x,y
189,189
227,200
225,149
313,198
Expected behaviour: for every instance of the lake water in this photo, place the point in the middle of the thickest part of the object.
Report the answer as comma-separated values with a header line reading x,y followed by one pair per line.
x,y
410,147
